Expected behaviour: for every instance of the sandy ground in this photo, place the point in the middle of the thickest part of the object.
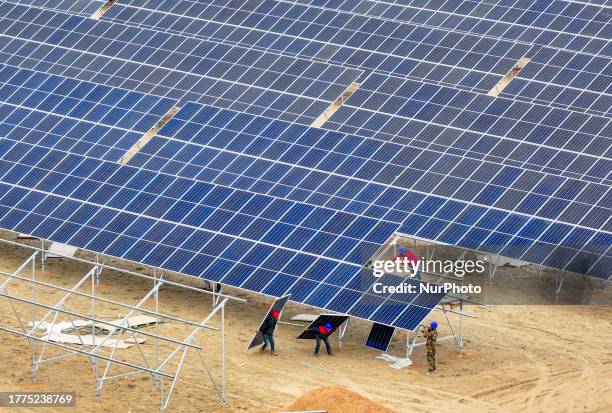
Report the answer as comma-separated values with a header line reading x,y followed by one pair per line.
x,y
545,358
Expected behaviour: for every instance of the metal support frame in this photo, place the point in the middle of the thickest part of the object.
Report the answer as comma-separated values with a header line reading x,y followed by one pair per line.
x,y
91,346
342,331
559,281
493,267
218,288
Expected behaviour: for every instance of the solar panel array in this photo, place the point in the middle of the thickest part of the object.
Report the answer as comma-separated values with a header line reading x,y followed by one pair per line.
x,y
181,225
341,38
481,113
565,24
371,177
576,81
84,7
177,66
76,116
463,60
237,188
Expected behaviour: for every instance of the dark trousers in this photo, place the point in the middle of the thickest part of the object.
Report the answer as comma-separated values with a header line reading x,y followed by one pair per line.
x,y
268,339
320,337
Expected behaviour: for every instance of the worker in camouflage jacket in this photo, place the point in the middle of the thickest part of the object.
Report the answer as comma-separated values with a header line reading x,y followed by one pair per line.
x,y
431,335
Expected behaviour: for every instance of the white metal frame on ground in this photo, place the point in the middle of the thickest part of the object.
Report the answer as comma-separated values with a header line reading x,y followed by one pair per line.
x,y
158,369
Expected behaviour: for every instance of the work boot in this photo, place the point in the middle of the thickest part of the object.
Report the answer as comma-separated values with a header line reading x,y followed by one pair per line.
x,y
273,353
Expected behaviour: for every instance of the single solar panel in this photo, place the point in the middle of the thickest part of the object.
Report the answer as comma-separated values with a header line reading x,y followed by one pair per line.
x,y
277,305
335,320
380,337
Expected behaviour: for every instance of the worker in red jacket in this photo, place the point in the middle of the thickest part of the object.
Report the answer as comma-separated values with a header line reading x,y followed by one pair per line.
x,y
267,330
322,333
404,253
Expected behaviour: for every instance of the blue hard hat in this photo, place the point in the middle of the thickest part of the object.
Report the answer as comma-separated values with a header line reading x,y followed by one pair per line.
x,y
433,324
402,249
328,326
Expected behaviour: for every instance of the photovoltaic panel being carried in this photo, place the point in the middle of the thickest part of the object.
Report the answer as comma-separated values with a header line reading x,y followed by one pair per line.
x,y
278,306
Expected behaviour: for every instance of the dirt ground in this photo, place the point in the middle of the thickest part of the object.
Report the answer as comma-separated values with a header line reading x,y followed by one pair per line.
x,y
517,358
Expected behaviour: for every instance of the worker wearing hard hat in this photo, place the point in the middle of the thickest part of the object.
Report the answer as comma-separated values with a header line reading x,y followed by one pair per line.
x,y
431,334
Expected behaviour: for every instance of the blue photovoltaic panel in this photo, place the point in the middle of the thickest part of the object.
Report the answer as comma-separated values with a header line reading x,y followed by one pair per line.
x,y
173,66
462,123
335,320
277,305
376,44
331,169
312,230
367,43
79,201
542,126
380,336
564,24
370,177
85,7
76,116
72,98
577,81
